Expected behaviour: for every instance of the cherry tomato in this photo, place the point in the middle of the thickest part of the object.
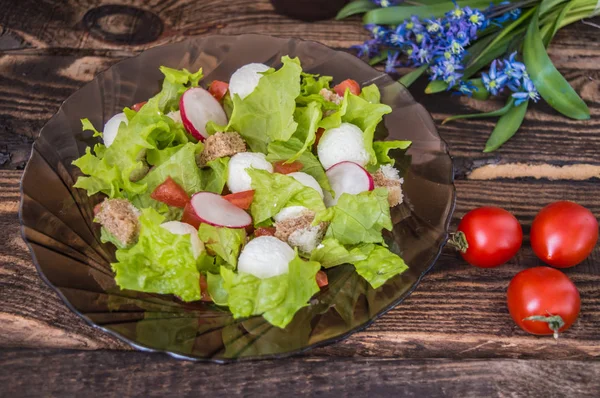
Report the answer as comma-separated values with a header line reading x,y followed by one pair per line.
x,y
349,84
321,277
243,199
264,231
490,237
218,89
547,295
563,234
171,193
190,217
286,168
138,106
318,136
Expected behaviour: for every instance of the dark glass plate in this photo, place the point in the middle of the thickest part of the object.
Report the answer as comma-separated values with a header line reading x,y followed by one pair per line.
x,y
57,219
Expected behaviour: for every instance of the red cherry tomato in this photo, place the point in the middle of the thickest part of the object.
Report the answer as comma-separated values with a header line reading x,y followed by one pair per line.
x,y
243,199
286,168
171,193
492,234
218,89
563,234
349,84
321,277
318,136
547,295
264,231
138,106
190,217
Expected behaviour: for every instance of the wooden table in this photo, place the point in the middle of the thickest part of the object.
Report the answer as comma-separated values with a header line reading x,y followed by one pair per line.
x,y
452,336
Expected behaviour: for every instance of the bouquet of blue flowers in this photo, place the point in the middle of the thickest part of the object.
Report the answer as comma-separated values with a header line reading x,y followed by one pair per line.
x,y
476,48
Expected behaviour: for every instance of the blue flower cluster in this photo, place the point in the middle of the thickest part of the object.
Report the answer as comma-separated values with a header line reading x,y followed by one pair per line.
x,y
512,75
440,43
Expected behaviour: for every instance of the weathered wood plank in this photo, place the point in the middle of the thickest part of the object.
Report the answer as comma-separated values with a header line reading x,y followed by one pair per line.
x,y
106,374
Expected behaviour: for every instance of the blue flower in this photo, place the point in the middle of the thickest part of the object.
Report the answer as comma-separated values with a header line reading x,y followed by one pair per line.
x,y
368,49
456,14
377,31
494,81
513,69
434,25
530,93
475,19
515,14
413,24
392,62
466,88
449,69
385,3
421,55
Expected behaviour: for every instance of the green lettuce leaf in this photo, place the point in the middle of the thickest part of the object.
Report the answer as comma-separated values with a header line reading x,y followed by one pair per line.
x,y
313,83
267,114
310,164
357,219
156,157
331,253
380,266
215,288
224,242
371,94
308,119
274,191
160,262
214,175
277,298
176,82
382,149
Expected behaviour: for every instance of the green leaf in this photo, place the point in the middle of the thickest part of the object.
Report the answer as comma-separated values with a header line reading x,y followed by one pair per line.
x,y
547,5
397,14
378,58
412,76
224,242
355,7
436,86
331,253
481,93
382,149
214,175
551,29
498,112
380,266
308,119
506,127
215,288
551,85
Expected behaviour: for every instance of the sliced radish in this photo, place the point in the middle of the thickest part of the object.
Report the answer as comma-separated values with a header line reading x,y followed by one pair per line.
x,y
347,177
180,228
265,257
308,181
111,128
245,79
198,107
214,210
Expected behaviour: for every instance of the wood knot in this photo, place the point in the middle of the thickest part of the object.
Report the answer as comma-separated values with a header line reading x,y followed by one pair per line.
x,y
123,24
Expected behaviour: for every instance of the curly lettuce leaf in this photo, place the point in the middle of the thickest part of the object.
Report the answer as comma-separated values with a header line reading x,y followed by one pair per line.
x,y
313,83
357,219
331,253
214,175
310,164
176,82
224,242
216,290
277,298
267,114
379,266
382,149
274,191
308,120
160,262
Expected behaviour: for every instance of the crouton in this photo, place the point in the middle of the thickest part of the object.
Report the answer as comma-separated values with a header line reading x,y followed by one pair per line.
x,y
220,145
331,96
298,231
120,218
388,177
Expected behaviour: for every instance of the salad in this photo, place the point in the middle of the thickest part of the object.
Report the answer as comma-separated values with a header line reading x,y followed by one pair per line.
x,y
241,194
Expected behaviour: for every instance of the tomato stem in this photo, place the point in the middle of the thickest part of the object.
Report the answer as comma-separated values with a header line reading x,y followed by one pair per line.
x,y
458,241
555,322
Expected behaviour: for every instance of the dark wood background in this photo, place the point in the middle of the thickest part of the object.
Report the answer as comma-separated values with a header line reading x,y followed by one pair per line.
x,y
452,336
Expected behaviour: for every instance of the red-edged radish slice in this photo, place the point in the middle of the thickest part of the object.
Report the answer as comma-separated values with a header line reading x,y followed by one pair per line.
x,y
347,177
308,181
265,257
180,228
245,79
198,107
111,128
214,210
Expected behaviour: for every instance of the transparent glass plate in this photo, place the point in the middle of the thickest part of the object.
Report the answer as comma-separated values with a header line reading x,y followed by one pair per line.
x,y
65,244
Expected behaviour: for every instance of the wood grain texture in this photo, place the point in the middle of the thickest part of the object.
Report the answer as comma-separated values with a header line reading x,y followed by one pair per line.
x,y
109,374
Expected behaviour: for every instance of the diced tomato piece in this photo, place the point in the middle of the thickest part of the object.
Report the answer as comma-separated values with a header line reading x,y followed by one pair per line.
x,y
171,193
282,168
322,280
97,208
138,106
243,199
204,289
218,89
190,217
350,84
264,231
318,136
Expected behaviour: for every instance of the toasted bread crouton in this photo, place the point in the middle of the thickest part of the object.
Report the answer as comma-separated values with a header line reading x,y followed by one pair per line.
x,y
220,145
388,177
298,231
120,218
331,96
